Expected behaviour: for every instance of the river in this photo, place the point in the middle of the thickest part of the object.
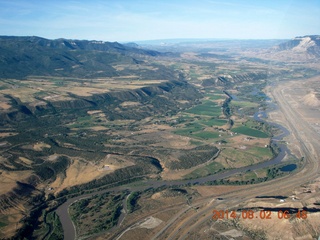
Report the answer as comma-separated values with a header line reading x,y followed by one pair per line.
x,y
67,224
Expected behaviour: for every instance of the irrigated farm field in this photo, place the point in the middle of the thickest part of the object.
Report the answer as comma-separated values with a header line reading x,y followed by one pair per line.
x,y
140,154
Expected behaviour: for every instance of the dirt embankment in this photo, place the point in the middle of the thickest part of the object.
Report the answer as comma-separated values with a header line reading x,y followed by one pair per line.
x,y
311,100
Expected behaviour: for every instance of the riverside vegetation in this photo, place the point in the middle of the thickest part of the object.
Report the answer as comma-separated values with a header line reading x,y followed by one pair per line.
x,y
69,126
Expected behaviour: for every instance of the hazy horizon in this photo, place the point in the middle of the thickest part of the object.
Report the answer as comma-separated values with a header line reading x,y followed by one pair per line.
x,y
171,40
142,20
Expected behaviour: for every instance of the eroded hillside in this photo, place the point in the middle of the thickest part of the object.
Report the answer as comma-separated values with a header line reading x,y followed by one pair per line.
x,y
96,115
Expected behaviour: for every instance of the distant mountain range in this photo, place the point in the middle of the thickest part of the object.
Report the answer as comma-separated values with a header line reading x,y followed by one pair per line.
x,y
299,49
24,56
301,44
207,45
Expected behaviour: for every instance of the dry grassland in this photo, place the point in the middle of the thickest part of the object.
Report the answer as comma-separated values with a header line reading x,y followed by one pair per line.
x,y
40,146
12,218
25,94
82,171
241,140
83,91
7,134
58,89
292,228
98,128
9,179
206,191
5,105
26,161
94,112
121,67
130,104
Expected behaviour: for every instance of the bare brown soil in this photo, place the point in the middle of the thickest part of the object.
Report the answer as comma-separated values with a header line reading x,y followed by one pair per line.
x,y
82,171
12,218
40,146
311,100
25,160
9,179
5,105
175,216
27,92
302,189
6,134
207,191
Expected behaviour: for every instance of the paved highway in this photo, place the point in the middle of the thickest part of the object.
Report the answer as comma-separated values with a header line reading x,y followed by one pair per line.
x,y
188,219
309,142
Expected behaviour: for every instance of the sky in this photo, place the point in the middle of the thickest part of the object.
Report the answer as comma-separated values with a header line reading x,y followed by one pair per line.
x,y
133,20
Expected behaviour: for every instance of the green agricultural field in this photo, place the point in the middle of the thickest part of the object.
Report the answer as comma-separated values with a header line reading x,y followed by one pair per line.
x,y
196,143
195,125
261,151
215,96
189,129
213,122
240,158
186,117
208,108
250,132
211,168
244,104
249,175
246,177
194,75
184,131
206,135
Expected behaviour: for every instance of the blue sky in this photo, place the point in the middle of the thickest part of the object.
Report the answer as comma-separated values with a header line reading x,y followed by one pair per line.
x,y
130,20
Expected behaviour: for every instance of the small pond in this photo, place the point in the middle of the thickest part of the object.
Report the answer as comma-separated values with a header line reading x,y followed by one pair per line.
x,y
288,168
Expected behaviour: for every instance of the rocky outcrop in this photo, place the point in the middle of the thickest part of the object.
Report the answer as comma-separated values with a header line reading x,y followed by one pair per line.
x,y
305,48
311,99
226,80
306,44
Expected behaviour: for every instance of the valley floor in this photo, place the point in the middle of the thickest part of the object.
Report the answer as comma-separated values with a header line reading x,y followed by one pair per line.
x,y
298,191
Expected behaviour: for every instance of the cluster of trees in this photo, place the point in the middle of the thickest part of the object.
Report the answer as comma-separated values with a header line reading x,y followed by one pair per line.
x,y
225,107
194,157
271,174
97,213
132,201
49,170
53,221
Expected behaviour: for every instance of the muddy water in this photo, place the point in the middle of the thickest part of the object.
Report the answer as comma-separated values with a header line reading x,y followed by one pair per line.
x,y
67,225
